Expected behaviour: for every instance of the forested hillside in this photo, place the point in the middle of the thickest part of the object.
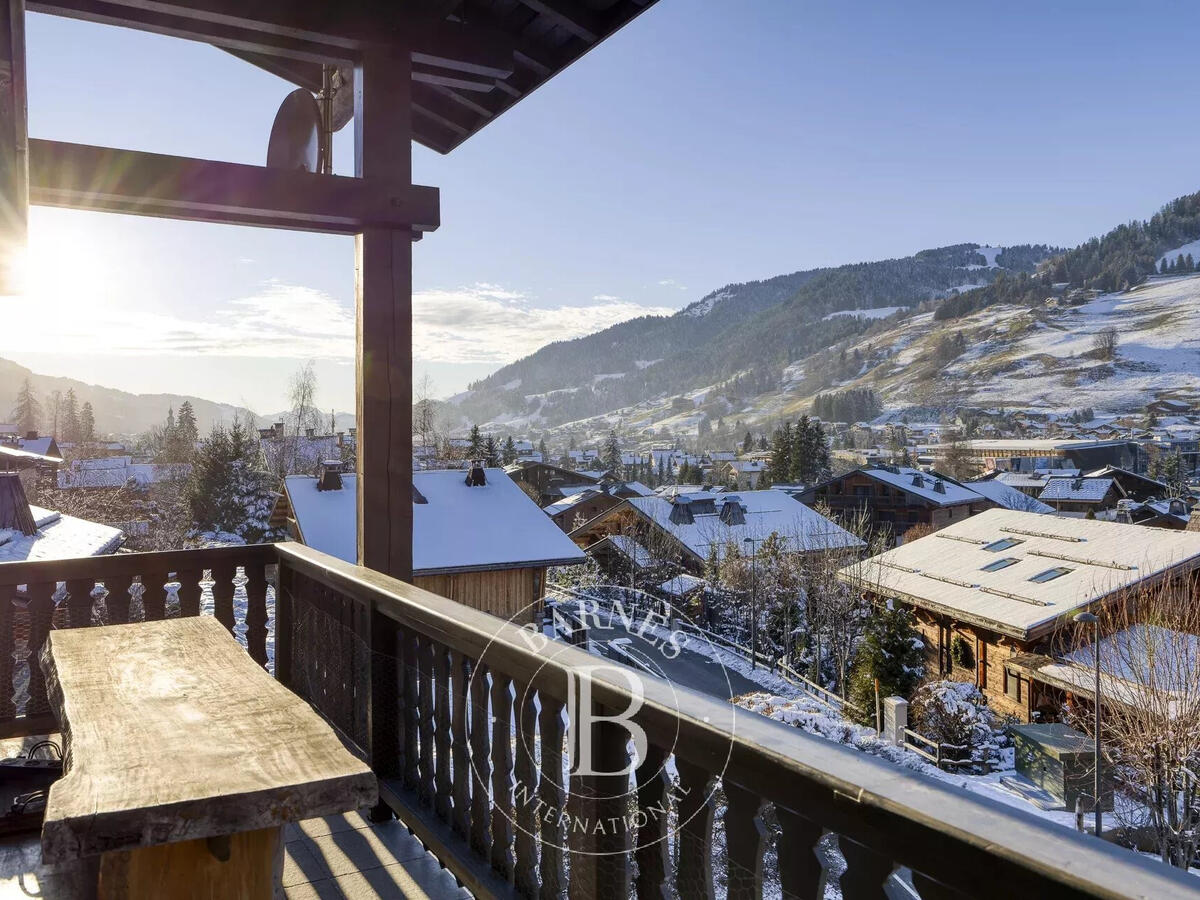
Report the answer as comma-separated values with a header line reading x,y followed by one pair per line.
x,y
749,332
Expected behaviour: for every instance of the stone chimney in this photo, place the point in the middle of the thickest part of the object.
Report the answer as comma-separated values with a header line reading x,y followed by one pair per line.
x,y
31,435
308,432
14,508
476,476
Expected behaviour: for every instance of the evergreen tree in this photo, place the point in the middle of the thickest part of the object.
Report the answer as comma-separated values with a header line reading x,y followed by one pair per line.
x,y
28,412
610,455
1163,269
491,457
1190,263
475,448
780,469
229,490
822,466
87,423
70,417
802,452
509,453
186,424
542,450
747,443
891,650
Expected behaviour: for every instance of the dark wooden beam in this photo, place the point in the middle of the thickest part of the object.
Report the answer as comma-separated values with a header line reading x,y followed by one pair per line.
x,y
78,176
383,131
305,29
14,145
570,16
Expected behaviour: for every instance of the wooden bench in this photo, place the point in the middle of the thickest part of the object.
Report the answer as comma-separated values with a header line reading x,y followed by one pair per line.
x,y
184,760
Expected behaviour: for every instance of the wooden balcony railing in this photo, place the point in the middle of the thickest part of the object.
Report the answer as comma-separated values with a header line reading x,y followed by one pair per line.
x,y
112,590
464,719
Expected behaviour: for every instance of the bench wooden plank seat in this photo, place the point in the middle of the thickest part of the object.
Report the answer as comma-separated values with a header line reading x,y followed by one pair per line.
x,y
172,733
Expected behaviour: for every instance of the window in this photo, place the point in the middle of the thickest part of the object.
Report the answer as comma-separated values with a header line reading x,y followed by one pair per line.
x,y
1012,684
997,564
1050,574
1003,544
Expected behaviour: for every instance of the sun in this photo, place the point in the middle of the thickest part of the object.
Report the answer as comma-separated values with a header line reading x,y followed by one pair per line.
x,y
64,265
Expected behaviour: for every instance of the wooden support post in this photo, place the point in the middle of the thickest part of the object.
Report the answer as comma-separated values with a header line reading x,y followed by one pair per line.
x,y
14,145
383,269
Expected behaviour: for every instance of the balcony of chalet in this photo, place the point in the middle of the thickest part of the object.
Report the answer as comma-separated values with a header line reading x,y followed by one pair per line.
x,y
463,721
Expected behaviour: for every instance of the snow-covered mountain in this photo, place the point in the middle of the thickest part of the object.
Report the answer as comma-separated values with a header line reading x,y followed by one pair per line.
x,y
742,336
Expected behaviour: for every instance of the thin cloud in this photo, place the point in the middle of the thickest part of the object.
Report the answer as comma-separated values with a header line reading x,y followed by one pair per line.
x,y
479,323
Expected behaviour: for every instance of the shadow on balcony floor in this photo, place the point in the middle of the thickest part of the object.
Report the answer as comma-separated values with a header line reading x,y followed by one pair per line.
x,y
326,859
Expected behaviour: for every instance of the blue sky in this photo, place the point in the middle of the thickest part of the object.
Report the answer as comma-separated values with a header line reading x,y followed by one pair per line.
x,y
709,142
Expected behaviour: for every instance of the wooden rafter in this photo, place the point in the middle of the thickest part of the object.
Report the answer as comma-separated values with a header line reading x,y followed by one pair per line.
x,y
78,176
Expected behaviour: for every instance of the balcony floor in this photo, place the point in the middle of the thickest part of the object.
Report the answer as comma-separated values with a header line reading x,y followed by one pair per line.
x,y
326,859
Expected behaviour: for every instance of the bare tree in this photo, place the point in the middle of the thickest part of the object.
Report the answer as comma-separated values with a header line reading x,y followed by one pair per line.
x,y
288,453
1150,717
1104,342
425,419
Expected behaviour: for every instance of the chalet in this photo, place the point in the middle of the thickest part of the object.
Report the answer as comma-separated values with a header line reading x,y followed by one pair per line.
x,y
1169,407
547,483
898,497
1133,485
1030,454
29,533
685,529
743,474
1173,513
1081,496
477,538
996,588
571,512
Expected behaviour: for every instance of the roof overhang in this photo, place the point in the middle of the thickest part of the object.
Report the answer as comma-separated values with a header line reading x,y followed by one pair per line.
x,y
472,59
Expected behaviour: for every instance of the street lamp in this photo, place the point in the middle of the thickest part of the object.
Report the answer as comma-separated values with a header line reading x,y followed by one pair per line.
x,y
750,542
1087,618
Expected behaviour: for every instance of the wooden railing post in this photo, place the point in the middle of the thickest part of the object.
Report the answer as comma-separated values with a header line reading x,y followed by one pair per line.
x,y
383,701
284,624
256,611
745,841
601,853
802,875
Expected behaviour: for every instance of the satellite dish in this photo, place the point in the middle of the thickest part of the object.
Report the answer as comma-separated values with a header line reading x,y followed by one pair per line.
x,y
295,133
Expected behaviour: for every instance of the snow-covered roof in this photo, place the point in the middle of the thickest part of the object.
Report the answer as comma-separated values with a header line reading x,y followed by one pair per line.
x,y
638,488
681,585
1077,562
560,506
58,537
922,484
37,445
628,547
117,471
1021,479
1079,490
1008,497
457,529
766,512
747,465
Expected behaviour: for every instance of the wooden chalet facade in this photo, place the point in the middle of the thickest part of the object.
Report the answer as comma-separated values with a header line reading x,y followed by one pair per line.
x,y
547,483
897,498
994,596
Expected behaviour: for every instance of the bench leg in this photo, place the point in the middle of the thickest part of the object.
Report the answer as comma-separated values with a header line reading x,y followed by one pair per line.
x,y
247,865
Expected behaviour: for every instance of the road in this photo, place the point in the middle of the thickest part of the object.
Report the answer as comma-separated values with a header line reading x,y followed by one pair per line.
x,y
689,669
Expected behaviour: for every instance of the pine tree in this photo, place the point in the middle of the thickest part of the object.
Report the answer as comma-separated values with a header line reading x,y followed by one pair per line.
x,y
1163,269
747,443
780,469
542,450
1190,263
822,466
610,455
229,490
492,458
186,424
802,452
891,650
509,453
87,423
70,417
28,412
475,447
